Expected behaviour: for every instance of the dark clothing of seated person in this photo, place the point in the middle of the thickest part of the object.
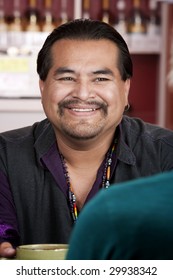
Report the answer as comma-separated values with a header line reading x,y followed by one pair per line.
x,y
130,221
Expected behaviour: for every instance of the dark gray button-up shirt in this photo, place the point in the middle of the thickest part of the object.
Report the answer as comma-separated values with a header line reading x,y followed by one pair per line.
x,y
34,206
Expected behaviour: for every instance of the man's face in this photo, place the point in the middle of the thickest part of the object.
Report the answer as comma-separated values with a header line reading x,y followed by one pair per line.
x,y
84,96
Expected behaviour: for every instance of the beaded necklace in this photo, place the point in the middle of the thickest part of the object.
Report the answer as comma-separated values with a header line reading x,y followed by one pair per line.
x,y
105,180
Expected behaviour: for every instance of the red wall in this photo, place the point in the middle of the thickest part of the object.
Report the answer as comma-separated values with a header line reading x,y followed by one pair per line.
x,y
144,91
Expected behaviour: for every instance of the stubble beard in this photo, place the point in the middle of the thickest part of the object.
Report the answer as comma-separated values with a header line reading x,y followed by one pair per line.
x,y
83,129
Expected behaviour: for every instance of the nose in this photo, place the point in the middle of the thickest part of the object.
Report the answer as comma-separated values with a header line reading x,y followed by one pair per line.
x,y
83,90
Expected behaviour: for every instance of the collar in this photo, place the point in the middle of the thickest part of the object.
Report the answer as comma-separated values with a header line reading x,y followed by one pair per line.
x,y
46,139
124,153
48,156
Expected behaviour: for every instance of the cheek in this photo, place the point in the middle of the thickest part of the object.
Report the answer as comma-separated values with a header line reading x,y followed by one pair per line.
x,y
111,95
59,91
52,94
116,100
53,97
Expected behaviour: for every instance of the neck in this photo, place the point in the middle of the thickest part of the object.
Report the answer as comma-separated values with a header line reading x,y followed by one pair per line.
x,y
81,168
85,154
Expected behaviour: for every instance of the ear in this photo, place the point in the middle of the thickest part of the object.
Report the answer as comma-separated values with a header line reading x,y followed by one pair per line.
x,y
126,90
41,85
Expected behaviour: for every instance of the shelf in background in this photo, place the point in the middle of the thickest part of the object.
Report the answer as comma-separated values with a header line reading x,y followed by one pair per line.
x,y
31,42
20,105
143,44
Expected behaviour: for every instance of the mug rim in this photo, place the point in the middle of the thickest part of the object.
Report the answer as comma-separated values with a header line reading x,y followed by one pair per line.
x,y
42,247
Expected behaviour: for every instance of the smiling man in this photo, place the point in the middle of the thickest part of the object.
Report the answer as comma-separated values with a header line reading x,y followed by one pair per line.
x,y
50,170
83,94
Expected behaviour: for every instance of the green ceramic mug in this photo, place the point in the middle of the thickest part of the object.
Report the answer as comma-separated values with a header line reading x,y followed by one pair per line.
x,y
41,252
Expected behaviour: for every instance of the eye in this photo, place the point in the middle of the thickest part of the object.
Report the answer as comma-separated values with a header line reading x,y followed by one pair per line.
x,y
66,79
101,79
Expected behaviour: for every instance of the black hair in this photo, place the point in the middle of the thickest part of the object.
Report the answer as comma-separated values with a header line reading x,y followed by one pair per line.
x,y
85,29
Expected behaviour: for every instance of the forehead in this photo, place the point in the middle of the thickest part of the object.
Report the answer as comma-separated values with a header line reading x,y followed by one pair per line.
x,y
70,49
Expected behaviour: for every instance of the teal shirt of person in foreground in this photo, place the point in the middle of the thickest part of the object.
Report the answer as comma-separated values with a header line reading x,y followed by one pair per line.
x,y
131,220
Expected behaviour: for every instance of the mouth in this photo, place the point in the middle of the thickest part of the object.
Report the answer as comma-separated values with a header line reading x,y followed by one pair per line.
x,y
83,109
79,108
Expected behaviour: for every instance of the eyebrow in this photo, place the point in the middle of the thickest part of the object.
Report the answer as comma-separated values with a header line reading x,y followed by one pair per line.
x,y
63,70
103,71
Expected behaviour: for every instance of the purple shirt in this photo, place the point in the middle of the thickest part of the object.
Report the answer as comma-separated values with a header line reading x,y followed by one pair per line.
x,y
52,161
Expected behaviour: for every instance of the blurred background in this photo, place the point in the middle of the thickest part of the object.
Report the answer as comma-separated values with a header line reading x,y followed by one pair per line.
x,y
146,26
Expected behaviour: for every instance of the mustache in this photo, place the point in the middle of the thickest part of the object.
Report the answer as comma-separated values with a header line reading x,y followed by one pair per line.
x,y
66,103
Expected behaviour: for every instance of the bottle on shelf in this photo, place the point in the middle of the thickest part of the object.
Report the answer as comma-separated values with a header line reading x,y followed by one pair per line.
x,y
154,18
3,29
120,22
16,25
105,11
136,20
32,17
86,6
63,14
48,24
15,36
3,24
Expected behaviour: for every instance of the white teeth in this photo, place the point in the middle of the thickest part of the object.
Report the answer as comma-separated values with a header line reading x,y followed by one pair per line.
x,y
82,110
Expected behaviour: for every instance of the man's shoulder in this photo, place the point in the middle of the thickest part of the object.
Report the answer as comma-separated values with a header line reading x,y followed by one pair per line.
x,y
139,128
23,133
